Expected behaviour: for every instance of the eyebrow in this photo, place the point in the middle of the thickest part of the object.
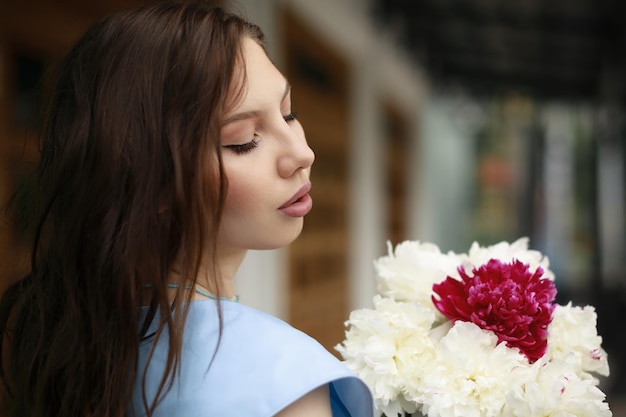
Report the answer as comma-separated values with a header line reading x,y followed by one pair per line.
x,y
250,114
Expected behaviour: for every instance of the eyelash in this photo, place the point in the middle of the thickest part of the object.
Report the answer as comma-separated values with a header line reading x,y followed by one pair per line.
x,y
248,147
245,147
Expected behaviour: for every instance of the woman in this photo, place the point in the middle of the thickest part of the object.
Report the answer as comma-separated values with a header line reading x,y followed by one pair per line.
x,y
170,149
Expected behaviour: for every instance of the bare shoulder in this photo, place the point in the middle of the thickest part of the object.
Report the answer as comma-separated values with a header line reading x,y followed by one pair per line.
x,y
314,404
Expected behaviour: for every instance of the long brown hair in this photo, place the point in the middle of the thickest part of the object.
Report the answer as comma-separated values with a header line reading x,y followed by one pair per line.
x,y
130,178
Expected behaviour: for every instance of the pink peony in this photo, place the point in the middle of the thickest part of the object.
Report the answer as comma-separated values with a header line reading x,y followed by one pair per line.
x,y
505,298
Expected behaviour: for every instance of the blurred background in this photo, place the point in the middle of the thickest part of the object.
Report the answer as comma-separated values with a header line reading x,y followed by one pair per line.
x,y
446,121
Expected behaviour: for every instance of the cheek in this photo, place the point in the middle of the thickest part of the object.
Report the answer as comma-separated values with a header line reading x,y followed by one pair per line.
x,y
244,195
234,196
251,183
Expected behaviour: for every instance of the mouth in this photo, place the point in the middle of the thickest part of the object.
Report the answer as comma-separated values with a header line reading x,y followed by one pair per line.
x,y
299,204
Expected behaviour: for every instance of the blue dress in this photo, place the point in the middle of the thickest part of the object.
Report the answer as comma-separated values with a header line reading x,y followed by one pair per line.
x,y
262,365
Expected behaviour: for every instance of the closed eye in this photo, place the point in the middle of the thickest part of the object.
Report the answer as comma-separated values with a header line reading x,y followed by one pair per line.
x,y
244,147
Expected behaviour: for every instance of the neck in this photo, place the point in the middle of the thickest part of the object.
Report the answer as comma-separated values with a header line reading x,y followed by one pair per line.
x,y
220,280
199,292
229,262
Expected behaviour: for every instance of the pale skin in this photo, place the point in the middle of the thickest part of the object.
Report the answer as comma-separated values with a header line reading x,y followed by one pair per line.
x,y
315,403
267,161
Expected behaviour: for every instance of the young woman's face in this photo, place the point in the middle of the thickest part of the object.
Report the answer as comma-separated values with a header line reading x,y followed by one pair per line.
x,y
266,160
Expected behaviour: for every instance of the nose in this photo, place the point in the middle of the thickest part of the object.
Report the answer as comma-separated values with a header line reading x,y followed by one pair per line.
x,y
297,154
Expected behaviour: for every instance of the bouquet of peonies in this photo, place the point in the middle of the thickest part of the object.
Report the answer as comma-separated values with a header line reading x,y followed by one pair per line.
x,y
475,335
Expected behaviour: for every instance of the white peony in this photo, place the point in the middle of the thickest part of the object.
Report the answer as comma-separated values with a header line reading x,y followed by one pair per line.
x,y
552,389
388,345
574,339
471,376
409,272
507,252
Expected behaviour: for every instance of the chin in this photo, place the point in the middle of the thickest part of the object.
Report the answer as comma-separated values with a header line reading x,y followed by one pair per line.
x,y
279,240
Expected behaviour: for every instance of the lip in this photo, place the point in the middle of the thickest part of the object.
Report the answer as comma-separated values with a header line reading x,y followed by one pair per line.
x,y
299,204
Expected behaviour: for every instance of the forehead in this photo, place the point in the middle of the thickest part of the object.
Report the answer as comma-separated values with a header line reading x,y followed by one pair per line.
x,y
256,80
